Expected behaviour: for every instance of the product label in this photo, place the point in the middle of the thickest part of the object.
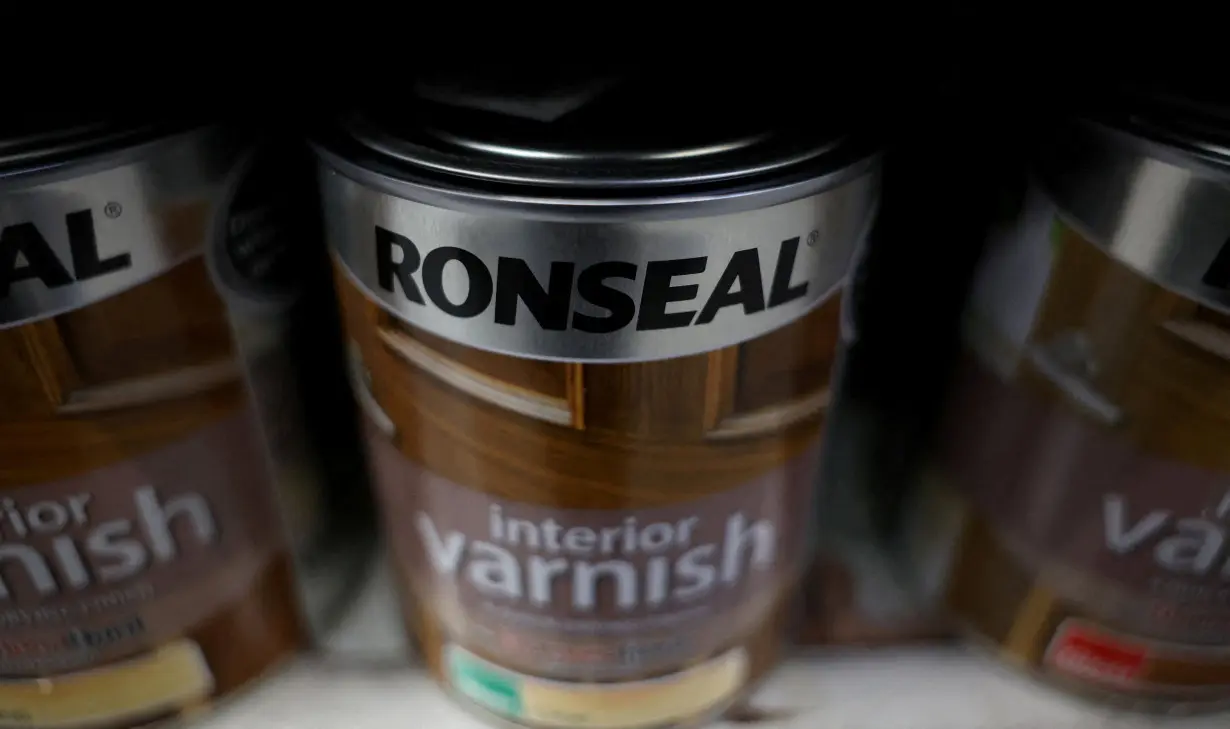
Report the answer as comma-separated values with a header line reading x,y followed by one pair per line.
x,y
70,243
1085,651
1090,652
122,559
1076,498
1080,555
596,292
600,595
141,550
1083,435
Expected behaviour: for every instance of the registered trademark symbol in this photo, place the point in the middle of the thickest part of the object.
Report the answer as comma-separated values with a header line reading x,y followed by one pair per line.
x,y
113,210
813,238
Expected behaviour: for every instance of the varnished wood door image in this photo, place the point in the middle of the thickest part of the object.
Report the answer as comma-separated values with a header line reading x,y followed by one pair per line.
x,y
561,433
131,374
1132,356
125,375
121,376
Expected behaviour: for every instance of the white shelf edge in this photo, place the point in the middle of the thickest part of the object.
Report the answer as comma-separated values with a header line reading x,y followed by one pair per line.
x,y
363,681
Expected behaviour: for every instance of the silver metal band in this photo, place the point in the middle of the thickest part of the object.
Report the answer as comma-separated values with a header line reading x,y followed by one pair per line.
x,y
596,292
1149,208
68,242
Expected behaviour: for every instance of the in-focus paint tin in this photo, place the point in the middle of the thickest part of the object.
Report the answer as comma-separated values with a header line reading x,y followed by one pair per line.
x,y
146,567
1084,464
593,339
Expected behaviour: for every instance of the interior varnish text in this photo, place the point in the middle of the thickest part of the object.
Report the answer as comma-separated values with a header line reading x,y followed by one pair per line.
x,y
144,568
593,340
1088,437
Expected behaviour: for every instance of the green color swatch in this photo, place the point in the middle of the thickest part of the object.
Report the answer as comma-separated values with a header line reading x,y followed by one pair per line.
x,y
488,686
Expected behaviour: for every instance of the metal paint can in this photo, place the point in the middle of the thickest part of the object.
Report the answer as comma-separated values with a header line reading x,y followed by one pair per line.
x,y
1082,478
592,326
154,507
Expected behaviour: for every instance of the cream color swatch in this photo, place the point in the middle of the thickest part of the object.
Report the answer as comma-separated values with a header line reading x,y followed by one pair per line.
x,y
166,679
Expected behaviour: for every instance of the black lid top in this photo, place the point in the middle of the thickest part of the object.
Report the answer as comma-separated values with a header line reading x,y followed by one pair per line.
x,y
609,131
40,141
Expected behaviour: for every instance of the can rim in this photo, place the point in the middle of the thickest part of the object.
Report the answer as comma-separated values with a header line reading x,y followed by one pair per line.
x,y
629,147
1181,124
568,163
43,145
589,206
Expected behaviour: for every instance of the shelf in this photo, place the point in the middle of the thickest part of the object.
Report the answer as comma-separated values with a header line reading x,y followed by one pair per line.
x,y
362,681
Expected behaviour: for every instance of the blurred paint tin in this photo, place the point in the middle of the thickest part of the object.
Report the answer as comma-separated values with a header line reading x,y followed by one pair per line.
x,y
156,501
1082,474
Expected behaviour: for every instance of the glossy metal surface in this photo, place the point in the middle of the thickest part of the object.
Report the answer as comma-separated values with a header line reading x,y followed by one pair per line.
x,y
133,198
639,147
1159,210
827,228
34,143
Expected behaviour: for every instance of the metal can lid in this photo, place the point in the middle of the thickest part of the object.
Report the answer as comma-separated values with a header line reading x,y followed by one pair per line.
x,y
41,141
1178,113
608,135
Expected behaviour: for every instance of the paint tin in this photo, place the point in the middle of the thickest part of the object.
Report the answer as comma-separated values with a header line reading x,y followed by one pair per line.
x,y
592,327
1083,464
148,568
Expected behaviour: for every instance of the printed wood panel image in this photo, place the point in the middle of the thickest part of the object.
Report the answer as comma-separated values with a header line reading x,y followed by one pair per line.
x,y
1132,355
125,376
253,637
759,386
122,376
593,436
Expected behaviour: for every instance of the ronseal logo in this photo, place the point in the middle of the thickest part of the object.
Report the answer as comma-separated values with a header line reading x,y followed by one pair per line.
x,y
401,269
596,292
25,255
